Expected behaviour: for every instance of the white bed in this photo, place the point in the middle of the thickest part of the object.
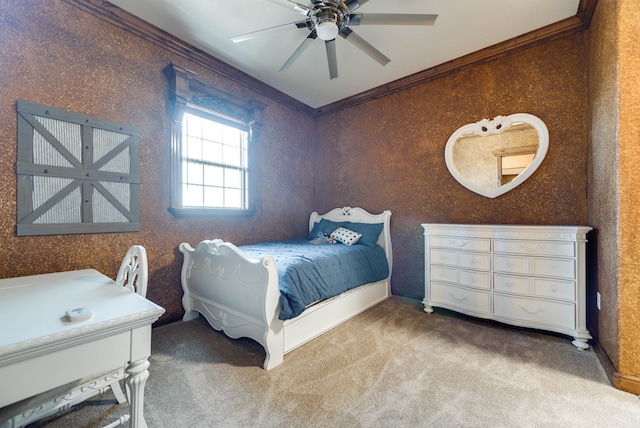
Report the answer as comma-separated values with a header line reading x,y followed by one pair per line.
x,y
240,296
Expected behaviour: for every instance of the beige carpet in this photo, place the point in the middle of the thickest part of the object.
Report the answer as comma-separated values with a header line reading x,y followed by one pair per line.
x,y
393,365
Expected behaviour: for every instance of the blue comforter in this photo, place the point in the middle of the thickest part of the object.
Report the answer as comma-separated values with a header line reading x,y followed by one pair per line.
x,y
309,273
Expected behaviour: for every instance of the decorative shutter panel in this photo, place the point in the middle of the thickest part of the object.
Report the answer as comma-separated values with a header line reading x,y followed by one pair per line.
x,y
76,174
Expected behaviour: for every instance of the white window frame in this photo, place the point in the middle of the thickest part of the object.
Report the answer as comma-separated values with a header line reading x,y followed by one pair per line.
x,y
187,95
210,160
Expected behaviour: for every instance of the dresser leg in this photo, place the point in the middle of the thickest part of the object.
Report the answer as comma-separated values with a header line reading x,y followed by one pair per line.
x,y
427,308
136,380
581,344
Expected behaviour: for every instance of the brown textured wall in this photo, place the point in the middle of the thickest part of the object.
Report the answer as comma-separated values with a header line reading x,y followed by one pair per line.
x,y
389,153
629,155
603,169
54,54
614,195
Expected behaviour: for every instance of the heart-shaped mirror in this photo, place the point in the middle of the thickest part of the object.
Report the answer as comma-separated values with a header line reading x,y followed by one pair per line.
x,y
494,156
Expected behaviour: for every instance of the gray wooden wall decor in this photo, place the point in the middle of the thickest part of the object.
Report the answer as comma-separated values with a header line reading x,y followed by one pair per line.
x,y
76,174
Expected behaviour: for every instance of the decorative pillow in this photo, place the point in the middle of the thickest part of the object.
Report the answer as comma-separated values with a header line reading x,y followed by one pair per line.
x,y
346,236
369,232
325,227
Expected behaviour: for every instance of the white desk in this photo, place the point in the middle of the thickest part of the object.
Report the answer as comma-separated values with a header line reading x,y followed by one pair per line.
x,y
41,350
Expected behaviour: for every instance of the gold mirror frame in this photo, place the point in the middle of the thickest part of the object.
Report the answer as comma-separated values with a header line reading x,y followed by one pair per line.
x,y
500,125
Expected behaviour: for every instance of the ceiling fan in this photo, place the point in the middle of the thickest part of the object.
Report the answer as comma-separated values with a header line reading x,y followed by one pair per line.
x,y
329,18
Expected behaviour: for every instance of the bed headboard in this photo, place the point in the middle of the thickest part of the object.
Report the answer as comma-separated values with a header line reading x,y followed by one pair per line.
x,y
359,215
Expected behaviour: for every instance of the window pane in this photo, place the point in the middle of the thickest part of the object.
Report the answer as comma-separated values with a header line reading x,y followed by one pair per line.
x,y
194,125
233,178
212,131
192,148
212,152
231,155
233,198
213,197
214,176
232,137
194,173
192,196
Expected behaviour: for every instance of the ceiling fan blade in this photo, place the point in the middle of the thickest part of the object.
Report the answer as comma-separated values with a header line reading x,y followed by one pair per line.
x,y
354,4
297,7
294,56
332,58
391,19
364,46
255,34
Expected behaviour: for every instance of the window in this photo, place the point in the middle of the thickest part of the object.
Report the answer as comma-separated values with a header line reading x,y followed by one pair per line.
x,y
213,135
215,166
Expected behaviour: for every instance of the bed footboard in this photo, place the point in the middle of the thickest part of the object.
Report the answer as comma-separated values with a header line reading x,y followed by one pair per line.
x,y
236,295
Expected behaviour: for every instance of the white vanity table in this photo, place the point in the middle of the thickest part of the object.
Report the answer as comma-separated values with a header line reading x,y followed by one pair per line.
x,y
529,276
40,349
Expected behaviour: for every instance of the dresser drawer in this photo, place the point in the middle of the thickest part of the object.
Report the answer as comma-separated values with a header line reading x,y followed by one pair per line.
x,y
461,276
444,273
555,288
512,264
511,284
475,260
561,268
444,257
474,278
473,244
540,248
535,312
546,266
470,300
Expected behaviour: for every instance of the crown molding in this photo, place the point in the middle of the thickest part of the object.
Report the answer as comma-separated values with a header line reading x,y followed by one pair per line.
x,y
128,22
132,24
571,25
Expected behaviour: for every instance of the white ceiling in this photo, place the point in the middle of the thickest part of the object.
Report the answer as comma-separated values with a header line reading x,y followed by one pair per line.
x,y
462,27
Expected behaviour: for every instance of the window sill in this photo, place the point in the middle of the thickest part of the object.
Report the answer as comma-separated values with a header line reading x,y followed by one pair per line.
x,y
209,212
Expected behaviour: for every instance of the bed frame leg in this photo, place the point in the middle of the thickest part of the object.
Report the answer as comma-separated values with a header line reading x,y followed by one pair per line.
x,y
273,360
274,346
189,313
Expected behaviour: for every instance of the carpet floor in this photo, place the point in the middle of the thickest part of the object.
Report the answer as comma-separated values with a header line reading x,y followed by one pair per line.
x,y
393,365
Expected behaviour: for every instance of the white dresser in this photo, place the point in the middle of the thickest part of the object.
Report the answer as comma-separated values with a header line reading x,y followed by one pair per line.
x,y
529,276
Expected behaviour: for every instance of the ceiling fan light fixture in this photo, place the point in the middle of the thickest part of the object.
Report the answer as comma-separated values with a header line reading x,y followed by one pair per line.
x,y
327,27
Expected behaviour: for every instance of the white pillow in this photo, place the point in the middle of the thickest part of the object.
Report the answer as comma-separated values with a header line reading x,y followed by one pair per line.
x,y
346,236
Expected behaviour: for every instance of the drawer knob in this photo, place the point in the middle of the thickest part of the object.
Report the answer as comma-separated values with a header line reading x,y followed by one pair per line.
x,y
535,311
511,284
463,297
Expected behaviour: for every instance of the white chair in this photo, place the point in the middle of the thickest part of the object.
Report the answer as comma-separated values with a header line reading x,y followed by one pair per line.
x,y
134,272
134,275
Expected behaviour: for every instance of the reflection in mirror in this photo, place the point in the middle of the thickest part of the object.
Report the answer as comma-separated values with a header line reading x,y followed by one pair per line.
x,y
492,157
